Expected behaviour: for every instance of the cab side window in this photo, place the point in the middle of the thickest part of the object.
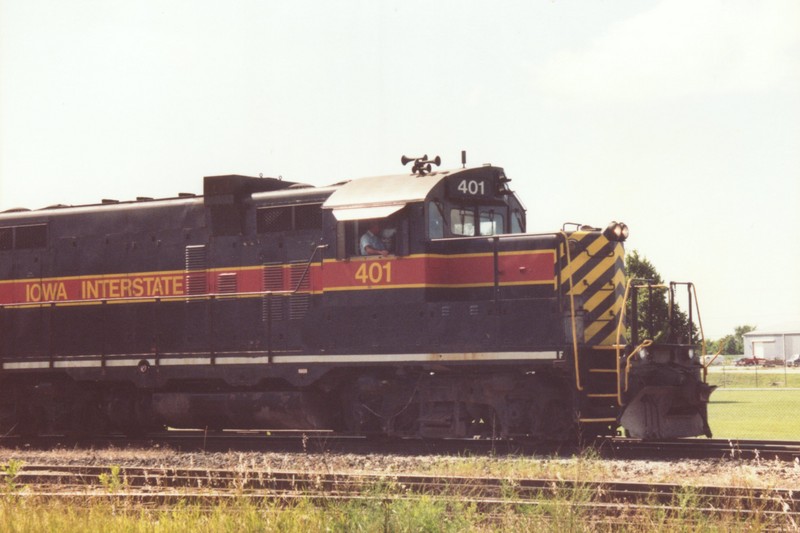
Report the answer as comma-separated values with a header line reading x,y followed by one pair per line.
x,y
435,221
517,220
391,235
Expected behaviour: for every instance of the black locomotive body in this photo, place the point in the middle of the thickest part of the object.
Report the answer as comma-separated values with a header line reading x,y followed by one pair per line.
x,y
252,306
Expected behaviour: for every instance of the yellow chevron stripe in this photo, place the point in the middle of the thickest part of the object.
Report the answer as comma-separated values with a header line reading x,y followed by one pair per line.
x,y
585,256
592,303
608,341
614,286
579,235
580,285
592,328
606,264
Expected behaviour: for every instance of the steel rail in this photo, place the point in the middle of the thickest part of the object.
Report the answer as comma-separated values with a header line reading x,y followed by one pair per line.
x,y
702,449
166,483
324,441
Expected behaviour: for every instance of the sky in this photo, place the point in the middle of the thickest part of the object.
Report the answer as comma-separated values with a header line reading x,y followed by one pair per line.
x,y
680,118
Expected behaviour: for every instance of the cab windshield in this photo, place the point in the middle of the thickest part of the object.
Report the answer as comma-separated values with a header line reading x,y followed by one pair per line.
x,y
469,221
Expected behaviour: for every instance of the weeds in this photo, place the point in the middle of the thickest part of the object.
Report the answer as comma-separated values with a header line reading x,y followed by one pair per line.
x,y
113,481
9,472
569,503
380,512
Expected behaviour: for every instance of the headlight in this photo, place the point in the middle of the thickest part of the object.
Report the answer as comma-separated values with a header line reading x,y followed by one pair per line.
x,y
616,231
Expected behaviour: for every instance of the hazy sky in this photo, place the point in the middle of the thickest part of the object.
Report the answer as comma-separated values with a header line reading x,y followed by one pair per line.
x,y
681,118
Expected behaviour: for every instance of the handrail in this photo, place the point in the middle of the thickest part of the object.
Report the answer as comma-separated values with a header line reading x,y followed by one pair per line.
x,y
648,342
643,345
700,322
618,345
706,365
702,336
572,316
618,337
620,322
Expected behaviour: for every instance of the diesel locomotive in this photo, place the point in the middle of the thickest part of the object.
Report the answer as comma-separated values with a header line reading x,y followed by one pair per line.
x,y
254,305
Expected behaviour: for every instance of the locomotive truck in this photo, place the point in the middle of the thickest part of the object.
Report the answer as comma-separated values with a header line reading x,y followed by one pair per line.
x,y
253,306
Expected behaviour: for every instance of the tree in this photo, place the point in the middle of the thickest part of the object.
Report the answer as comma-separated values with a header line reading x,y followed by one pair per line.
x,y
738,334
653,305
731,344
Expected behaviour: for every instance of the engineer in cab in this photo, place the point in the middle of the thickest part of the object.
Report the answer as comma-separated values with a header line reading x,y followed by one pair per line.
x,y
371,242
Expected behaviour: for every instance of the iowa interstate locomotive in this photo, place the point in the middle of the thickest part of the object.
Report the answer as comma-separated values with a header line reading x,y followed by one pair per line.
x,y
410,305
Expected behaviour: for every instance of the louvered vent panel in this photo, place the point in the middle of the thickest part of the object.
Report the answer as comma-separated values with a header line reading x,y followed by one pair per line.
x,y
299,301
298,306
196,265
273,281
273,277
227,283
296,276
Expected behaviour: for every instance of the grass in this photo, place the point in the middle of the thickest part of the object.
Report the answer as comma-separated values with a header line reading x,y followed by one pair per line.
x,y
588,464
768,413
428,513
755,414
754,378
386,506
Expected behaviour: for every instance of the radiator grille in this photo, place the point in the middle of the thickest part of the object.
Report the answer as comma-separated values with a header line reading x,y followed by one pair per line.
x,y
272,304
227,283
299,301
196,265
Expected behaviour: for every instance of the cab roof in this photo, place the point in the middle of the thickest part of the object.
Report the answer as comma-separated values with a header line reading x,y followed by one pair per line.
x,y
380,196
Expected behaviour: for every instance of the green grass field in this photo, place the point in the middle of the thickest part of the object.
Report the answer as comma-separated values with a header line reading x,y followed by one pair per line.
x,y
772,414
754,378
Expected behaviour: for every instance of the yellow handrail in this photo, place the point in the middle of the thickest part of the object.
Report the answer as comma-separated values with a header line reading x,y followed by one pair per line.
x,y
645,344
700,322
572,316
619,337
648,342
706,365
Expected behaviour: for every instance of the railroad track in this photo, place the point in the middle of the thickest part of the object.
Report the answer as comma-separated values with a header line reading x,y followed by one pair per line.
x,y
295,442
319,442
703,449
169,486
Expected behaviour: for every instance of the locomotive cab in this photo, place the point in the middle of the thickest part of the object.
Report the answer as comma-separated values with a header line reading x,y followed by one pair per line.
x,y
412,210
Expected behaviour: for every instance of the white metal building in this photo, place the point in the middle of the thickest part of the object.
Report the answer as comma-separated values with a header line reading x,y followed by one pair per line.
x,y
772,344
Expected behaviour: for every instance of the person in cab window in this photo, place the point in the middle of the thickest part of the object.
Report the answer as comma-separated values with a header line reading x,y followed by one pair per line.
x,y
371,243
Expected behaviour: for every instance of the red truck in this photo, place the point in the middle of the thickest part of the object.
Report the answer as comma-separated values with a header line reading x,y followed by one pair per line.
x,y
750,361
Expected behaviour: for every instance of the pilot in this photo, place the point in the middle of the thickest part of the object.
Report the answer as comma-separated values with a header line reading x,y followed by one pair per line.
x,y
371,243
